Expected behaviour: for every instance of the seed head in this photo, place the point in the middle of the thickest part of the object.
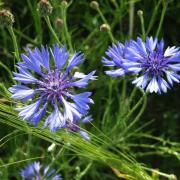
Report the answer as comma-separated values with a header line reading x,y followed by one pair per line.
x,y
44,8
6,18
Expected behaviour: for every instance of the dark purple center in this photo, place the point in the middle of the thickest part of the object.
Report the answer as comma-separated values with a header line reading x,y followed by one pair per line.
x,y
55,84
155,64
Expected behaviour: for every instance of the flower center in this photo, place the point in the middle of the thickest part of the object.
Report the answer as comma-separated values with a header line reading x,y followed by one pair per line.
x,y
55,84
155,65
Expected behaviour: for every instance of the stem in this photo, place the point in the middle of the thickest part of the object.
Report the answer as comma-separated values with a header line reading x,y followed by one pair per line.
x,y
135,107
139,114
11,32
51,29
162,18
153,17
131,18
81,174
124,89
140,14
105,21
25,37
133,93
169,176
8,71
68,36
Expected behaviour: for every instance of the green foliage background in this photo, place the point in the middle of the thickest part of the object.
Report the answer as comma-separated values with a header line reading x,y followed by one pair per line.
x,y
149,149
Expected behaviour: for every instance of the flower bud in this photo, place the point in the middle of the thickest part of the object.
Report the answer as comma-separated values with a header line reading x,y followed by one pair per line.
x,y
6,18
44,7
105,28
140,13
94,4
64,3
59,22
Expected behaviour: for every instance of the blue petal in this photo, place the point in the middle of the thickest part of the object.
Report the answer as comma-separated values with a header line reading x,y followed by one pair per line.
x,y
21,92
163,85
141,81
42,56
38,115
87,119
31,63
107,62
85,135
115,73
82,101
28,111
160,46
75,60
70,111
171,51
80,75
172,76
151,44
84,81
24,76
60,56
55,120
153,86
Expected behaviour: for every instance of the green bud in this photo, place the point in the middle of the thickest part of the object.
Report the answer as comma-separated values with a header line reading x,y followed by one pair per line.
x,y
44,8
6,18
105,28
59,22
140,13
94,4
64,3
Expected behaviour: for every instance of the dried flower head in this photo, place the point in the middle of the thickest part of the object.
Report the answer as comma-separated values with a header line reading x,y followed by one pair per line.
x,y
6,18
44,8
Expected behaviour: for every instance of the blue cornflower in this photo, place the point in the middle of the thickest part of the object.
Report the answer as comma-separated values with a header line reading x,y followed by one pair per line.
x,y
34,171
47,82
158,68
116,55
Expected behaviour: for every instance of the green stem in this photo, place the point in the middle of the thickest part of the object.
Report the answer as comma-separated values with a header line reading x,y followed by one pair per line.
x,y
142,24
124,86
11,32
81,174
132,95
153,17
139,114
68,36
51,29
8,71
162,18
25,37
105,21
131,18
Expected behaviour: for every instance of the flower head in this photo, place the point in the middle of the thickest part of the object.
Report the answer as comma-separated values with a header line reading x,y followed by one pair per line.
x,y
46,79
158,68
116,57
35,171
6,18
